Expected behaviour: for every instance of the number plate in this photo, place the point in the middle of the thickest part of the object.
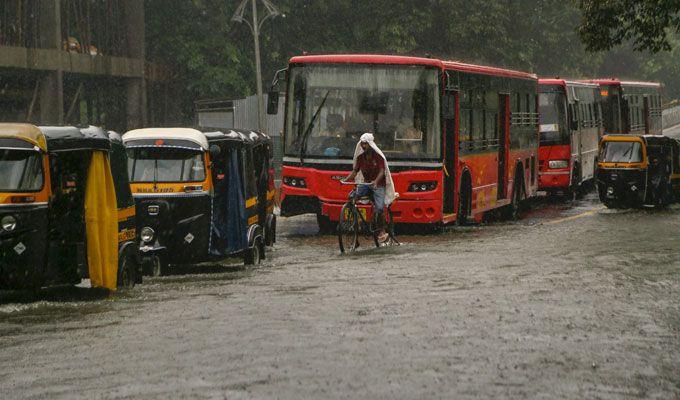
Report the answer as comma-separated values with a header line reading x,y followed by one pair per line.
x,y
362,211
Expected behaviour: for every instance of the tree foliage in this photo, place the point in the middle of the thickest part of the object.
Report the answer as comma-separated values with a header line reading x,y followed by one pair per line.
x,y
608,23
213,57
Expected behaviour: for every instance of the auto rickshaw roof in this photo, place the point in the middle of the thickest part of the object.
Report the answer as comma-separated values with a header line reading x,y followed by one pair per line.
x,y
247,137
58,138
26,132
67,138
188,134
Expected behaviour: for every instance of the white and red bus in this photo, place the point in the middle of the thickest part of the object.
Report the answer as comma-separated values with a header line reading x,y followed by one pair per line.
x,y
460,139
631,107
571,127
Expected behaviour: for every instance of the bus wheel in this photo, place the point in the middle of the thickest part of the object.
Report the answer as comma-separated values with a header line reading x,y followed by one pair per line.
x,y
127,269
325,224
464,203
252,255
574,190
514,208
271,232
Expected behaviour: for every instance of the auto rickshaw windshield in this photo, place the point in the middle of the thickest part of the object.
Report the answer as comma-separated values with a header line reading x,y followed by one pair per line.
x,y
621,152
165,164
22,171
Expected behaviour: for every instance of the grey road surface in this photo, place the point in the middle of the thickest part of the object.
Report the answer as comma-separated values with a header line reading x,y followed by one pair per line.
x,y
574,301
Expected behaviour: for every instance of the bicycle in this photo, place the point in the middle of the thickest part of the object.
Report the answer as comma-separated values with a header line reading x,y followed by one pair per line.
x,y
353,222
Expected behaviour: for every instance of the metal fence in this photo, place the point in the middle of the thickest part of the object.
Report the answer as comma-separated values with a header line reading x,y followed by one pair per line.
x,y
671,117
242,114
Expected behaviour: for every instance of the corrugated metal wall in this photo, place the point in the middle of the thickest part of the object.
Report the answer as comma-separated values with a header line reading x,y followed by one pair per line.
x,y
243,115
671,117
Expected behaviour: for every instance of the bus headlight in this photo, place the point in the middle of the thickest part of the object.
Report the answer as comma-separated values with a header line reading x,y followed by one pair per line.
x,y
422,186
294,182
8,223
146,234
556,164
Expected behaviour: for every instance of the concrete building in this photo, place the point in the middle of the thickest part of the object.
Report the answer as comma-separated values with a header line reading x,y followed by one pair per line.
x,y
78,62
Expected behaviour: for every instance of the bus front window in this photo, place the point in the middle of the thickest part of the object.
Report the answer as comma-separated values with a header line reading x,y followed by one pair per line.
x,y
621,152
331,106
164,164
552,111
22,171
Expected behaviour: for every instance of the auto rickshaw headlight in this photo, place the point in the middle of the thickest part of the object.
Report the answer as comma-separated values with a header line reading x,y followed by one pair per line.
x,y
146,234
610,190
8,223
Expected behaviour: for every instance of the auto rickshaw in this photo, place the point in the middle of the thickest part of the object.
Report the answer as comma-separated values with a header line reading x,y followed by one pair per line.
x,y
66,210
201,195
638,170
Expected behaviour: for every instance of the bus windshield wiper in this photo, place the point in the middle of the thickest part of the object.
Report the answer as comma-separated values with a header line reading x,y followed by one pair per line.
x,y
308,130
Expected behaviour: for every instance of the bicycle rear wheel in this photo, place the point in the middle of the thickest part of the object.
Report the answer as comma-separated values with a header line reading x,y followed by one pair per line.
x,y
348,229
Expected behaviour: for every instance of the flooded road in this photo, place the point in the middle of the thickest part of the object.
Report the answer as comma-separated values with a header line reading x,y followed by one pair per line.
x,y
573,301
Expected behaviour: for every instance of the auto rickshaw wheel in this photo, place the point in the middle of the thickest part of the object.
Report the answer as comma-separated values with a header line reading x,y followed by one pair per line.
x,y
127,269
252,255
158,267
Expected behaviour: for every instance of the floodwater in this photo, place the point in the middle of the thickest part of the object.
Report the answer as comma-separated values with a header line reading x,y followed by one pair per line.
x,y
572,301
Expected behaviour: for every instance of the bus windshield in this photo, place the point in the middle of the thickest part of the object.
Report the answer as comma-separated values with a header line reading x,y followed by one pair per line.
x,y
553,117
621,152
165,164
331,106
22,171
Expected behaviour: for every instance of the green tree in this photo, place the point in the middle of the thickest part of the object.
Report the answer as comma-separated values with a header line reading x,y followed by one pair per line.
x,y
608,23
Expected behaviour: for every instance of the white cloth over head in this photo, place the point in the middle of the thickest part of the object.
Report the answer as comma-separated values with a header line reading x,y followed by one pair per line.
x,y
390,194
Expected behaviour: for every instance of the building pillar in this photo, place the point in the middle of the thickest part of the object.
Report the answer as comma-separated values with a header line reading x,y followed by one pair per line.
x,y
136,88
51,85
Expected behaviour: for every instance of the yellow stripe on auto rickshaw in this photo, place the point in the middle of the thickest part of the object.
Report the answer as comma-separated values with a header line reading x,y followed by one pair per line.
x,y
251,202
271,194
169,188
253,220
613,165
126,213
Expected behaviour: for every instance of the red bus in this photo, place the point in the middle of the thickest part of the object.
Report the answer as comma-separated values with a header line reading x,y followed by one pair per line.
x,y
460,139
631,107
571,127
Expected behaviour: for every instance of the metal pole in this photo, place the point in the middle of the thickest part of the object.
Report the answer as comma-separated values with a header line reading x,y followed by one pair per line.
x,y
258,70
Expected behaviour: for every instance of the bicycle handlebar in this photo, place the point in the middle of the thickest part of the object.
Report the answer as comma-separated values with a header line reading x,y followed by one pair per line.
x,y
355,183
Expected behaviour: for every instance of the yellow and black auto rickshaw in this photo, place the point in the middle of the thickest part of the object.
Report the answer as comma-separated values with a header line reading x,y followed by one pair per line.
x,y
201,195
638,170
66,211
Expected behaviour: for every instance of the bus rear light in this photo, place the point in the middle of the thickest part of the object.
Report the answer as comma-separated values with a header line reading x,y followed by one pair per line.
x,y
557,164
422,186
294,182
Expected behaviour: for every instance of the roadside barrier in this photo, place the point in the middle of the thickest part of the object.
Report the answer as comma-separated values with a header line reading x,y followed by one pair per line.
x,y
671,116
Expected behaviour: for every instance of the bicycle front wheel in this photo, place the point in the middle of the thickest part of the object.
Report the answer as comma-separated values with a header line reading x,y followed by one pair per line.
x,y
348,229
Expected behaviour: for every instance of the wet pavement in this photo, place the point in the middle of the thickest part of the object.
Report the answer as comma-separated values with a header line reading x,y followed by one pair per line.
x,y
573,301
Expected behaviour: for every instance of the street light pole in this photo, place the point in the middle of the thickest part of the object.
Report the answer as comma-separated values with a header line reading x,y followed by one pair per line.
x,y
258,70
271,12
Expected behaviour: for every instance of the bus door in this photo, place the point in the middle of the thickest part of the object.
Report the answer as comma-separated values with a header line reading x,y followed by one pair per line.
x,y
450,143
575,132
503,144
646,111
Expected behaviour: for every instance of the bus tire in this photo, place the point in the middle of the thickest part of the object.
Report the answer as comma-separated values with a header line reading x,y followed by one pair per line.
x,y
270,233
464,201
515,207
574,190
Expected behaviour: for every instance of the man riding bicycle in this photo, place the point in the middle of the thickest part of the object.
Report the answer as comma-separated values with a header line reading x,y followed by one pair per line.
x,y
370,166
